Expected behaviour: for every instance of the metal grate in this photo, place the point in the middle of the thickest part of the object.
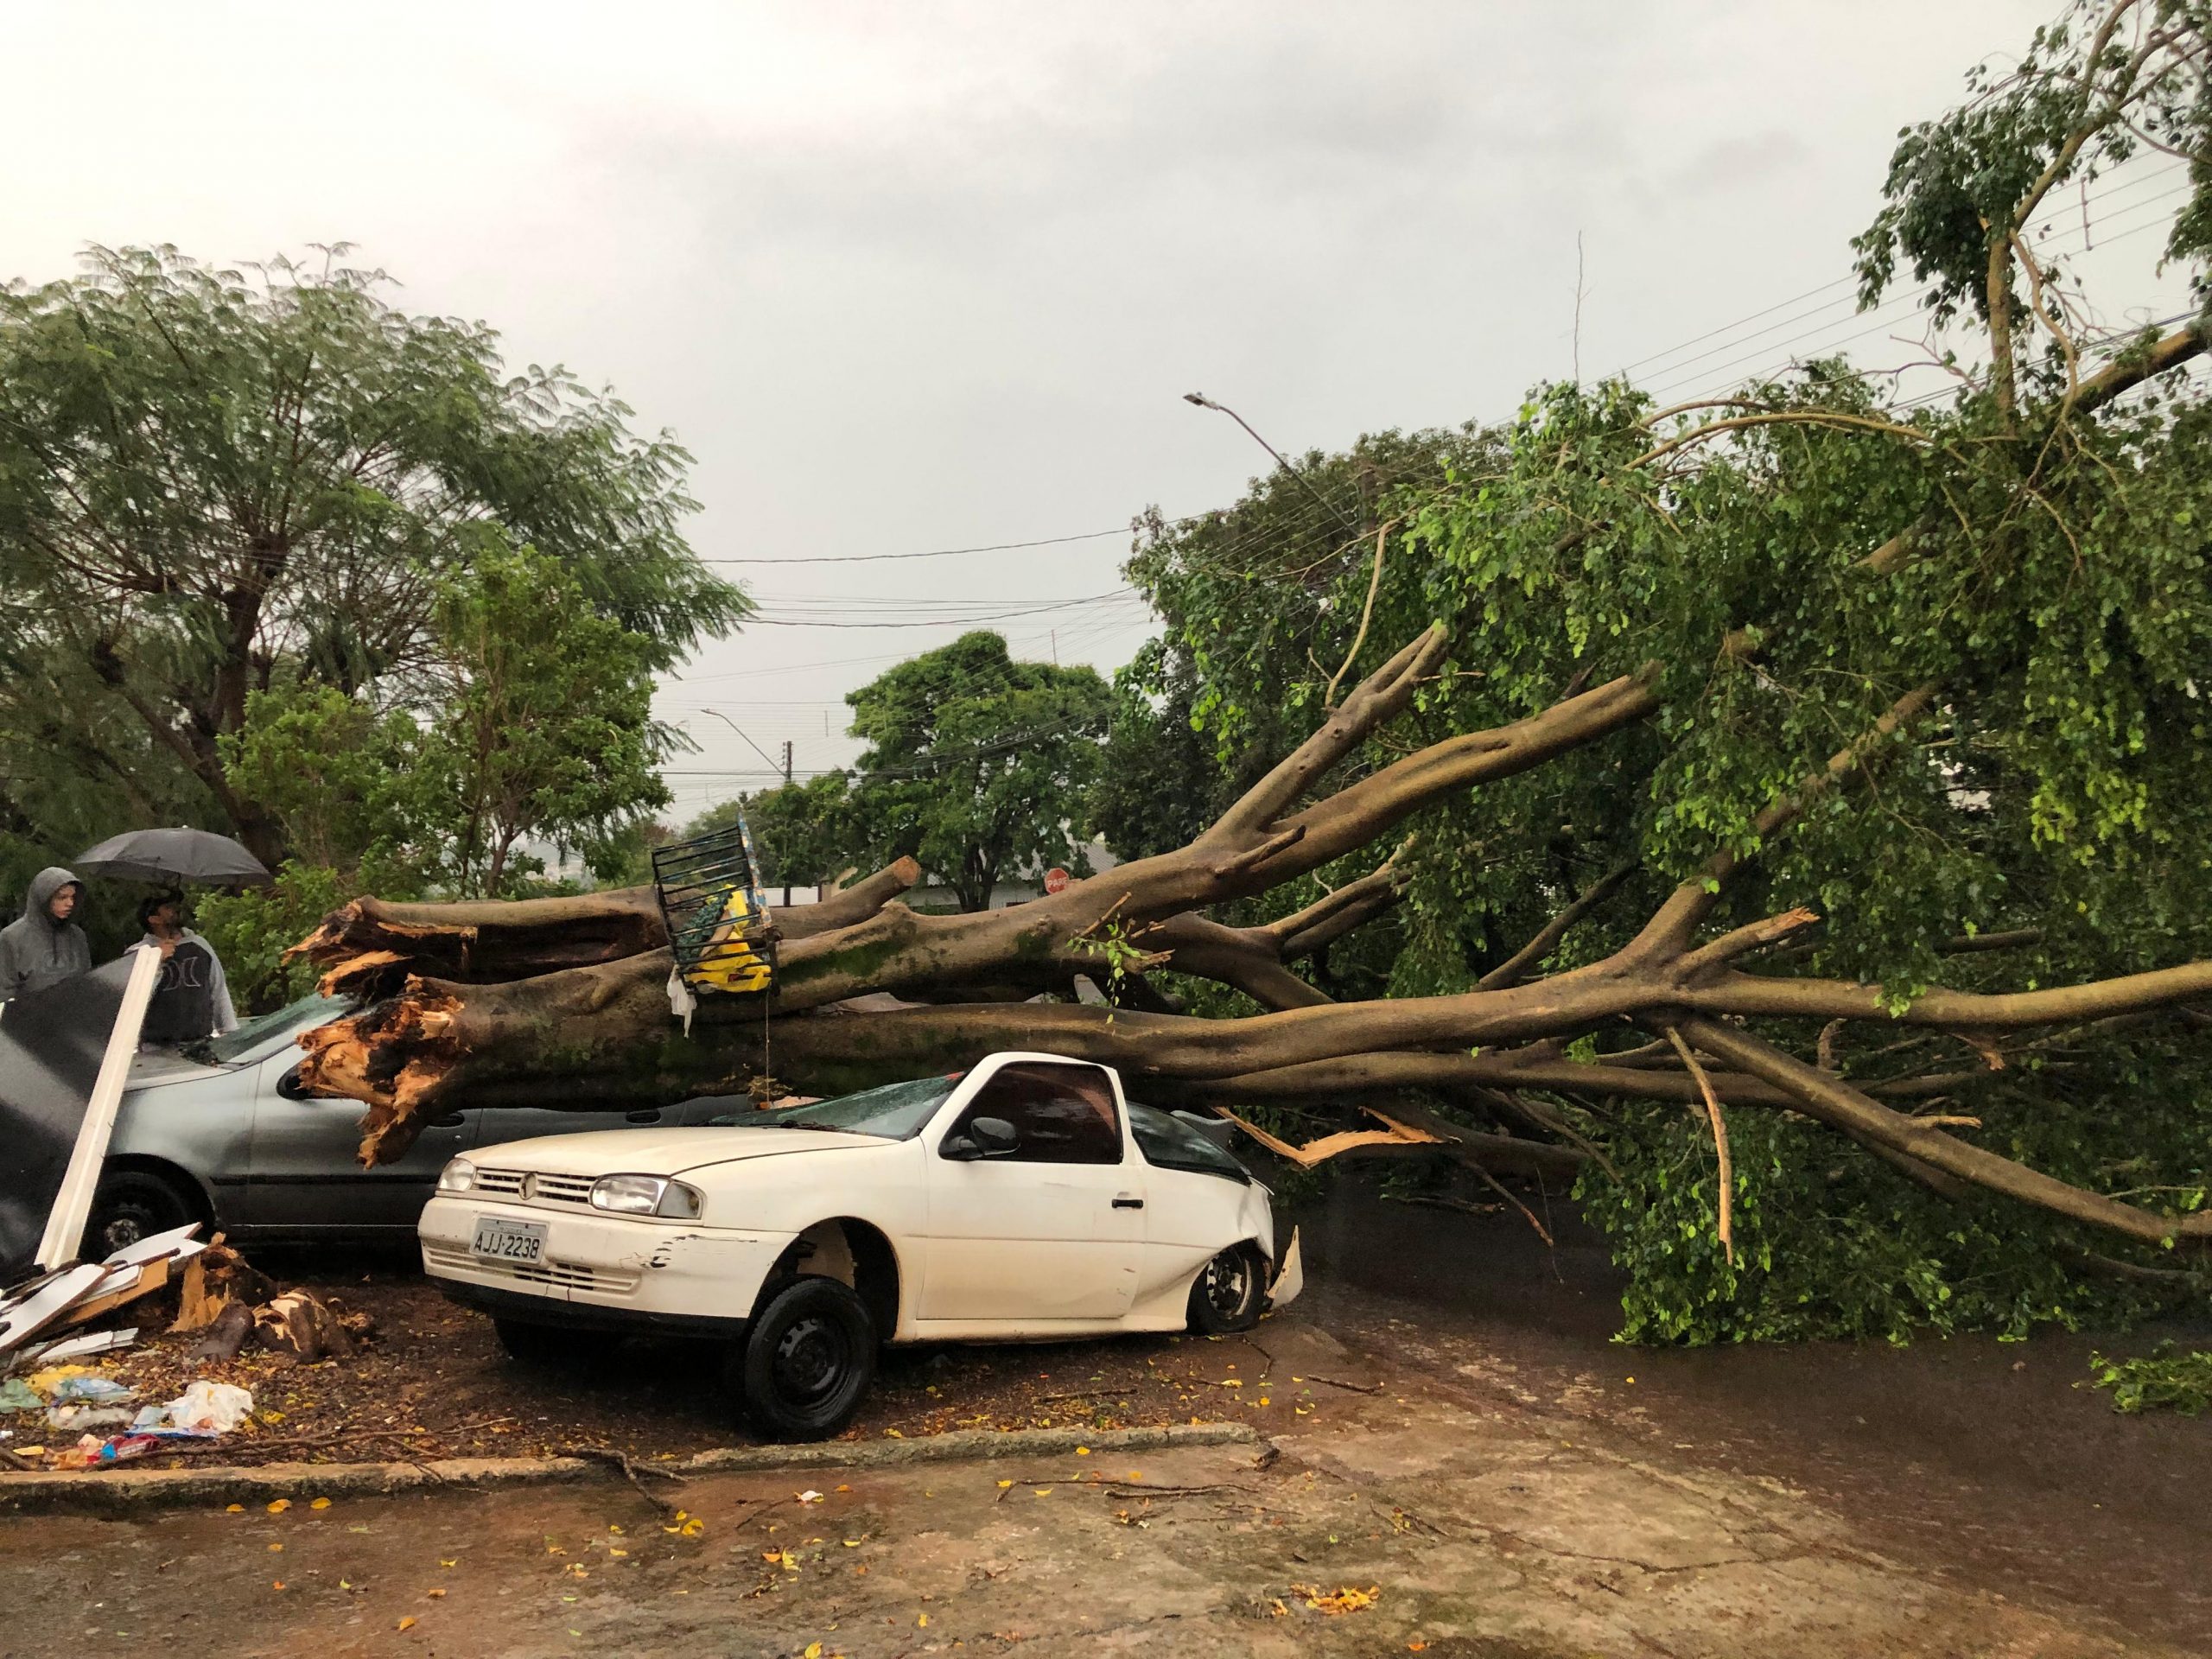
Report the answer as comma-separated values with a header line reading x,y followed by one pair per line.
x,y
539,1273
709,893
561,1189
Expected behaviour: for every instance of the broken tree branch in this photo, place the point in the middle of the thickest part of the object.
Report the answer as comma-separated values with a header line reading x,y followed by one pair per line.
x,y
1832,1101
1677,920
1719,1142
1531,955
1366,615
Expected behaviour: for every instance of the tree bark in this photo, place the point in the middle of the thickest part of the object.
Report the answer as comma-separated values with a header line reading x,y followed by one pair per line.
x,y
564,1000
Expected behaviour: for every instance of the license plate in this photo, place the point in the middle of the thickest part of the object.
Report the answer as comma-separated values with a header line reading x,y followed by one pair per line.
x,y
509,1240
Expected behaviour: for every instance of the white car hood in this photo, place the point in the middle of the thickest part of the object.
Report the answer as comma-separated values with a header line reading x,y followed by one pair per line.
x,y
659,1152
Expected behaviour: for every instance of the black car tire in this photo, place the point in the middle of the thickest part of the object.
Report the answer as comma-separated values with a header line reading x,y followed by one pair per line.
x,y
129,1205
1231,1291
542,1344
807,1360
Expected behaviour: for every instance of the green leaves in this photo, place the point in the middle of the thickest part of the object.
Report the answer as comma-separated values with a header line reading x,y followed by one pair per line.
x,y
2165,1380
544,731
977,765
805,833
215,483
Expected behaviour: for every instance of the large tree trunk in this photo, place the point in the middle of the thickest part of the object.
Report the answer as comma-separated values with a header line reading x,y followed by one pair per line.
x,y
565,999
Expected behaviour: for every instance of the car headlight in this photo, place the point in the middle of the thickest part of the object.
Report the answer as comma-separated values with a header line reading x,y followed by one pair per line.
x,y
457,1177
647,1195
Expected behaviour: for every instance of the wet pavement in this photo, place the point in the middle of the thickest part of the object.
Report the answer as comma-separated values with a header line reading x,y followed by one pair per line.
x,y
1483,1464
1991,1463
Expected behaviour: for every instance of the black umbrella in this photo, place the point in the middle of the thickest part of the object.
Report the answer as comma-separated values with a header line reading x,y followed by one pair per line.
x,y
174,855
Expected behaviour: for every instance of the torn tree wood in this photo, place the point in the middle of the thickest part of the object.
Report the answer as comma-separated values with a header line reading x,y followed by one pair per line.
x,y
1316,1152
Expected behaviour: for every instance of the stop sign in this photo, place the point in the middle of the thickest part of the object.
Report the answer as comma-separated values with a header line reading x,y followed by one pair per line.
x,y
1056,879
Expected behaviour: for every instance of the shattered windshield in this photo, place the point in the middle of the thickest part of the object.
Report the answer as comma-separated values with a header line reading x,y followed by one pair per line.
x,y
309,1011
896,1111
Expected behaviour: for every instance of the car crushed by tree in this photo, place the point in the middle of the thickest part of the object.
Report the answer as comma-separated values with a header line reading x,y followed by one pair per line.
x,y
1026,1199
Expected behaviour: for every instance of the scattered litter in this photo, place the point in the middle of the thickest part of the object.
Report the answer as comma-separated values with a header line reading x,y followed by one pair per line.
x,y
89,1391
76,1420
16,1394
204,1408
92,1452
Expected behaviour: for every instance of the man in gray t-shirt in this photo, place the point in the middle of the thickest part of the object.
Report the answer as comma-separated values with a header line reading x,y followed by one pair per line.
x,y
192,998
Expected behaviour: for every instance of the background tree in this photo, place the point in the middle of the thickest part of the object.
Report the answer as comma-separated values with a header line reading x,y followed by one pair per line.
x,y
219,482
977,766
543,729
535,725
804,833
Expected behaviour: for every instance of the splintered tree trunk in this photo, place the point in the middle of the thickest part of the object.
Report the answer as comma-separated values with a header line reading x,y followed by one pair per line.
x,y
565,1001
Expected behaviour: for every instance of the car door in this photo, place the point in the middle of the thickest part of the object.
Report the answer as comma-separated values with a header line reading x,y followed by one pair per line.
x,y
1050,1229
302,1170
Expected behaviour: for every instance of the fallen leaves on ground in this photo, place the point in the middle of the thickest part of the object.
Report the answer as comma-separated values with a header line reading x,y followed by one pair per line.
x,y
1346,1600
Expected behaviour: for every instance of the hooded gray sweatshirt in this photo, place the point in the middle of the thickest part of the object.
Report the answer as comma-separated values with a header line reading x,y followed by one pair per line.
x,y
36,951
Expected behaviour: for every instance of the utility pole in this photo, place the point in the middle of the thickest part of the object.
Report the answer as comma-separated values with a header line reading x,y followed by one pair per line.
x,y
787,784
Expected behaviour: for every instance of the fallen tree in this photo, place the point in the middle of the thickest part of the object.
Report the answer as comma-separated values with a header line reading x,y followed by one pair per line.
x,y
602,1031
1784,758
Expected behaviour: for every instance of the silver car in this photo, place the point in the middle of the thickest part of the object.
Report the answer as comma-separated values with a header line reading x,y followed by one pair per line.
x,y
227,1136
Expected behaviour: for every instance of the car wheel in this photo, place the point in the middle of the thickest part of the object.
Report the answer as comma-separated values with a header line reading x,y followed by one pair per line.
x,y
539,1345
1229,1293
129,1205
807,1360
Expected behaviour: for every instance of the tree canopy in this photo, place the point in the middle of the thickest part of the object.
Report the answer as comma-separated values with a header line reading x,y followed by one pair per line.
x,y
1993,607
977,766
220,482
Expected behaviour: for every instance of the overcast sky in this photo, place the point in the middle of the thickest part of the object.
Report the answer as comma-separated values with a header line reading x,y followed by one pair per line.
x,y
919,276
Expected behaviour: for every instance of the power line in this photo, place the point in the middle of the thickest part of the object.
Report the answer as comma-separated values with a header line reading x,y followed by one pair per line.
x,y
941,552
1118,596
927,767
1674,379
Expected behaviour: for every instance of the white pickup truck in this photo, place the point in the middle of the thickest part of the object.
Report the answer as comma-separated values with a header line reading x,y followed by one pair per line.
x,y
1024,1199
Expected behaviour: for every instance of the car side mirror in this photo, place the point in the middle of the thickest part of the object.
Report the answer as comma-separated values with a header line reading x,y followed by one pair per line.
x,y
992,1135
291,1088
960,1149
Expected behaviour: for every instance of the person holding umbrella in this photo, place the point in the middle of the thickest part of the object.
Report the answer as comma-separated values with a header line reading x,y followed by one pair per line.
x,y
44,946
192,998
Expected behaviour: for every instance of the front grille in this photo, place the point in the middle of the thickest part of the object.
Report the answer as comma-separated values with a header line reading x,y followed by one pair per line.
x,y
534,1189
561,1189
537,1273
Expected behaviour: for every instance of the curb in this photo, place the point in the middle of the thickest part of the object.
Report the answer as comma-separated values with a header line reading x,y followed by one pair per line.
x,y
127,1492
